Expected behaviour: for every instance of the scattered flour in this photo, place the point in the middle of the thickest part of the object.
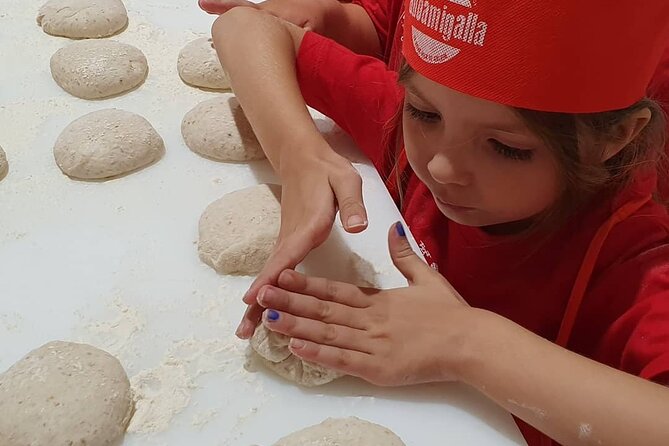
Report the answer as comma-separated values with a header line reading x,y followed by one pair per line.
x,y
117,335
164,391
200,419
584,431
539,413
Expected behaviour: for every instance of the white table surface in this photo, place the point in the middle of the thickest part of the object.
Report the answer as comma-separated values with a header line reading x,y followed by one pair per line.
x,y
115,263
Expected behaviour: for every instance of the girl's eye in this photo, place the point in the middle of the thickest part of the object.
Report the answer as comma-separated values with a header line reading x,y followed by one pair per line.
x,y
421,115
511,152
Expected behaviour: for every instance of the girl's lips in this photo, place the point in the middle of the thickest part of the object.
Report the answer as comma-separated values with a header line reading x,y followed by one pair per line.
x,y
453,206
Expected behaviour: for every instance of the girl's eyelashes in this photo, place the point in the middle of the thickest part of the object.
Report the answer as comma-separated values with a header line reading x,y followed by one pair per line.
x,y
511,152
421,115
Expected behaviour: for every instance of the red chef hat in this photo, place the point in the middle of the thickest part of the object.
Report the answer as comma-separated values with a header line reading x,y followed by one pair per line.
x,y
572,56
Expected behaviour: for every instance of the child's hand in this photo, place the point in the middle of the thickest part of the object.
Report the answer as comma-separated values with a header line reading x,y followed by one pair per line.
x,y
395,337
308,14
313,189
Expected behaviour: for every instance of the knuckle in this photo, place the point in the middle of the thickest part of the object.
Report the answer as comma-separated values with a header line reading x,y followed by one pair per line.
x,y
323,311
330,334
343,359
331,290
348,202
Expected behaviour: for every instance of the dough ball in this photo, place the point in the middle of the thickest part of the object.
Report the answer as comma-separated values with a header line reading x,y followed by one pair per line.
x,y
96,69
198,65
272,348
64,394
238,231
107,143
218,129
82,19
4,166
350,431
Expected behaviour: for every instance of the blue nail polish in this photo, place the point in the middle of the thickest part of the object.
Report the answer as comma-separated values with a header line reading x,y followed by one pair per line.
x,y
400,229
272,315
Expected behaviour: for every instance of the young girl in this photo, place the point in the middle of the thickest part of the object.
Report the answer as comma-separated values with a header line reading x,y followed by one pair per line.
x,y
524,165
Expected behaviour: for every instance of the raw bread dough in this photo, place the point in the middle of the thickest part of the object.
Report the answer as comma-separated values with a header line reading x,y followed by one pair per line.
x,y
107,143
96,69
218,129
238,231
82,19
272,349
350,431
64,394
4,166
198,65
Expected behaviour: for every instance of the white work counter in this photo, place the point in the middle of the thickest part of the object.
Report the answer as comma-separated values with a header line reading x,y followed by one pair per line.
x,y
115,263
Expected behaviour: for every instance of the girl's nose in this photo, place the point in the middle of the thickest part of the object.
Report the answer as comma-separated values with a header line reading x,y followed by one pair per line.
x,y
445,169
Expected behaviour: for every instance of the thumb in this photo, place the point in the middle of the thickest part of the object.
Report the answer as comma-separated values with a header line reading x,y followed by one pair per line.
x,y
223,6
352,212
405,259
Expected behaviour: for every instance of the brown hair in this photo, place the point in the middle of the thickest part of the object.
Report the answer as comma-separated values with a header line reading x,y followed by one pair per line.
x,y
584,176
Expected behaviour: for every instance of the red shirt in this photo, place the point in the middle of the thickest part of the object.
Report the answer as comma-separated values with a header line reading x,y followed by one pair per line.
x,y
624,318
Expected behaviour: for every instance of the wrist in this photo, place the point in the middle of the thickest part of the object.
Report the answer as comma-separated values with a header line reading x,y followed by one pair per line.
x,y
299,152
483,338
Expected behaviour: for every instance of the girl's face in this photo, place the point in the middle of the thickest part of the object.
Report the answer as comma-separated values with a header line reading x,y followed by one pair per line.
x,y
482,164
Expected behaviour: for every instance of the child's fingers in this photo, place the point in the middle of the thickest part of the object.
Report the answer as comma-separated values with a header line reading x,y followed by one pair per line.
x,y
406,260
323,289
310,307
348,362
316,331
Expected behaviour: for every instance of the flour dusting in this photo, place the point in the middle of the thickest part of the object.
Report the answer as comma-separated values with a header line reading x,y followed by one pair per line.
x,y
584,431
537,412
164,391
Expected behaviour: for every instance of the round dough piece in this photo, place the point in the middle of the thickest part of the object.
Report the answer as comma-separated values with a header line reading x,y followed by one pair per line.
x,y
65,393
350,431
105,144
218,129
4,166
198,65
238,231
82,19
272,348
96,69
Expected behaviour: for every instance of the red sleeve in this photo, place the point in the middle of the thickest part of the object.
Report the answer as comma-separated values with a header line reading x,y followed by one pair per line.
x,y
638,341
633,309
358,92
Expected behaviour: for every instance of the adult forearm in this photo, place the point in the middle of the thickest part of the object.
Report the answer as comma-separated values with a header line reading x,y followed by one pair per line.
x,y
573,399
353,28
258,51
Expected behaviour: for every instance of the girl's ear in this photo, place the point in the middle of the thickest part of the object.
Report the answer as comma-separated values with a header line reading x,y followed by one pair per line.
x,y
625,132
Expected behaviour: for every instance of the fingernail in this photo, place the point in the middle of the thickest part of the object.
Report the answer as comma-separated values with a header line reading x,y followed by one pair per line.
x,y
297,344
355,221
400,229
272,316
241,330
264,293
